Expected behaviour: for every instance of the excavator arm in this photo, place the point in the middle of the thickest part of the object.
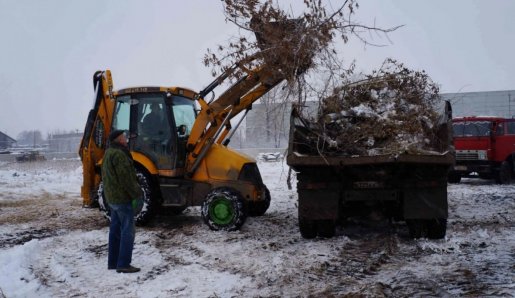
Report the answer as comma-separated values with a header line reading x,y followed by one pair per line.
x,y
93,143
213,122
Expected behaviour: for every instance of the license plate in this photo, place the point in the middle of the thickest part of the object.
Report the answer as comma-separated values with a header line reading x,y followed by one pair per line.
x,y
460,168
368,184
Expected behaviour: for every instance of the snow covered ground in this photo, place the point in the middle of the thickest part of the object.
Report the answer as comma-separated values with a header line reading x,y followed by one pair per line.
x,y
52,247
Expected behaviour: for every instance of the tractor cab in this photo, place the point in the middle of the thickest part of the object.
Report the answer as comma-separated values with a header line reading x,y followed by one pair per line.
x,y
159,121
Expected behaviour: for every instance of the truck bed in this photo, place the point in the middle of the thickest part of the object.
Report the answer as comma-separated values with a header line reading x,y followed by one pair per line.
x,y
295,159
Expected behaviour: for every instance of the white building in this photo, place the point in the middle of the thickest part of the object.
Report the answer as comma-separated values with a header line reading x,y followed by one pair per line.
x,y
486,103
64,143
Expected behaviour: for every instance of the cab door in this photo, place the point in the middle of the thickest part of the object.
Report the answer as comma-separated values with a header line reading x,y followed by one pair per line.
x,y
182,116
504,145
159,124
144,116
153,135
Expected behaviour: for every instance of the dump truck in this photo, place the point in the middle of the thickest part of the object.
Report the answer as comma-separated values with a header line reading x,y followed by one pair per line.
x,y
485,148
403,187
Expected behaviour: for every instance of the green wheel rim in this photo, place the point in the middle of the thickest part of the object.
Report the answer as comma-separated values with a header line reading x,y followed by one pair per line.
x,y
221,211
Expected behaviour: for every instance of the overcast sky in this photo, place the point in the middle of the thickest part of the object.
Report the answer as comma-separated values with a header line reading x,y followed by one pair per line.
x,y
50,49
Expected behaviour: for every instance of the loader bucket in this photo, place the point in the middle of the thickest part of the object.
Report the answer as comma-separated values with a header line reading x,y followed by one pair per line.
x,y
284,45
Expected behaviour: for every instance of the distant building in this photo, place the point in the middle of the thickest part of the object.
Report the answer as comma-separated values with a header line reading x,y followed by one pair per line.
x,y
485,103
6,141
64,143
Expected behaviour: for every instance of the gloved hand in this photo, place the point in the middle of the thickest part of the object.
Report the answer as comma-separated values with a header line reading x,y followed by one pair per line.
x,y
137,205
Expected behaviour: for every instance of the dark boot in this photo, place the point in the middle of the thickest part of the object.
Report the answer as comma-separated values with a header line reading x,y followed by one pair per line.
x,y
129,269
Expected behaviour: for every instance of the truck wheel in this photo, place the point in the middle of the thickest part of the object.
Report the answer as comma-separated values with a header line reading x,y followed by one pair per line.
x,y
504,174
326,228
260,207
415,227
436,228
223,210
454,178
308,228
147,211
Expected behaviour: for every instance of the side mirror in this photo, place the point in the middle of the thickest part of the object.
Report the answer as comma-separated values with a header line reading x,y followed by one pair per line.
x,y
181,130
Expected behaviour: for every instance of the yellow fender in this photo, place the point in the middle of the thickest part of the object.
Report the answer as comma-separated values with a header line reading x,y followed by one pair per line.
x,y
221,163
145,162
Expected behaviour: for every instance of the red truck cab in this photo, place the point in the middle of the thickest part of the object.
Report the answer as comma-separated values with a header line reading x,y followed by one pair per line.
x,y
485,148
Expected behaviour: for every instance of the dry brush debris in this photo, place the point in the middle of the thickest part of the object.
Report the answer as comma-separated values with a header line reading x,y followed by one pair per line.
x,y
394,110
391,111
290,43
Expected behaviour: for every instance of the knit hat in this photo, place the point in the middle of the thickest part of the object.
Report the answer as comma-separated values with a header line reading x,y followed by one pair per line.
x,y
114,134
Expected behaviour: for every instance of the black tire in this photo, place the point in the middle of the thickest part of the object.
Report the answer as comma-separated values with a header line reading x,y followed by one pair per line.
x,y
260,207
415,228
224,209
326,228
503,176
146,213
307,227
453,178
436,228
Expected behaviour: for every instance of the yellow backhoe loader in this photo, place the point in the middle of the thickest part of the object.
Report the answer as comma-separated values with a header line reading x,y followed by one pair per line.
x,y
180,151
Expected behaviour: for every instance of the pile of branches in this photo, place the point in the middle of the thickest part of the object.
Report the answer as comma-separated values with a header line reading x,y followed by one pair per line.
x,y
394,110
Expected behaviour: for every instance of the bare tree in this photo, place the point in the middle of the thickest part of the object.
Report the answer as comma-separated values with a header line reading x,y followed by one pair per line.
x,y
292,44
275,120
30,138
300,48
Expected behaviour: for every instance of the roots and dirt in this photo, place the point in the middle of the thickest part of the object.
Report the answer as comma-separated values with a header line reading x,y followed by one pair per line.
x,y
51,246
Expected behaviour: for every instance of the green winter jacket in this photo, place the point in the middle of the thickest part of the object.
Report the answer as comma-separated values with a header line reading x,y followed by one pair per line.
x,y
119,176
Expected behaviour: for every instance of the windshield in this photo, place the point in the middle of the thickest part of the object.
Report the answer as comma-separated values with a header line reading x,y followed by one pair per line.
x,y
183,110
472,128
150,117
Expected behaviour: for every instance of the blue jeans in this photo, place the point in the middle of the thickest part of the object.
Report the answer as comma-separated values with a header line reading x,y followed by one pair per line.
x,y
121,236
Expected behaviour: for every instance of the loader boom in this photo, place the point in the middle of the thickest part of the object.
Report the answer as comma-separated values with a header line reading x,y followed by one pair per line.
x,y
213,122
98,125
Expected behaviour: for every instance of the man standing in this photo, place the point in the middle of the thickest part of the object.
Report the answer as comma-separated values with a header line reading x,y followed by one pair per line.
x,y
120,189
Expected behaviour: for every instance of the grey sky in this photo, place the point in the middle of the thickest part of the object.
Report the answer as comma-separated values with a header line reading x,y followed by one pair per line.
x,y
50,49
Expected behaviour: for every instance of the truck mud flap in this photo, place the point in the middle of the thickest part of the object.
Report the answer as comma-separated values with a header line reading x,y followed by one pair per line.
x,y
318,204
425,203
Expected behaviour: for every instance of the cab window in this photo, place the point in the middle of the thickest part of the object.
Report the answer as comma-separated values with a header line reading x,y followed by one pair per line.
x,y
183,111
510,128
472,128
122,115
500,129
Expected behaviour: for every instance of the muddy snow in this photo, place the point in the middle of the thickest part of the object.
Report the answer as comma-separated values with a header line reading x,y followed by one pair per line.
x,y
52,247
